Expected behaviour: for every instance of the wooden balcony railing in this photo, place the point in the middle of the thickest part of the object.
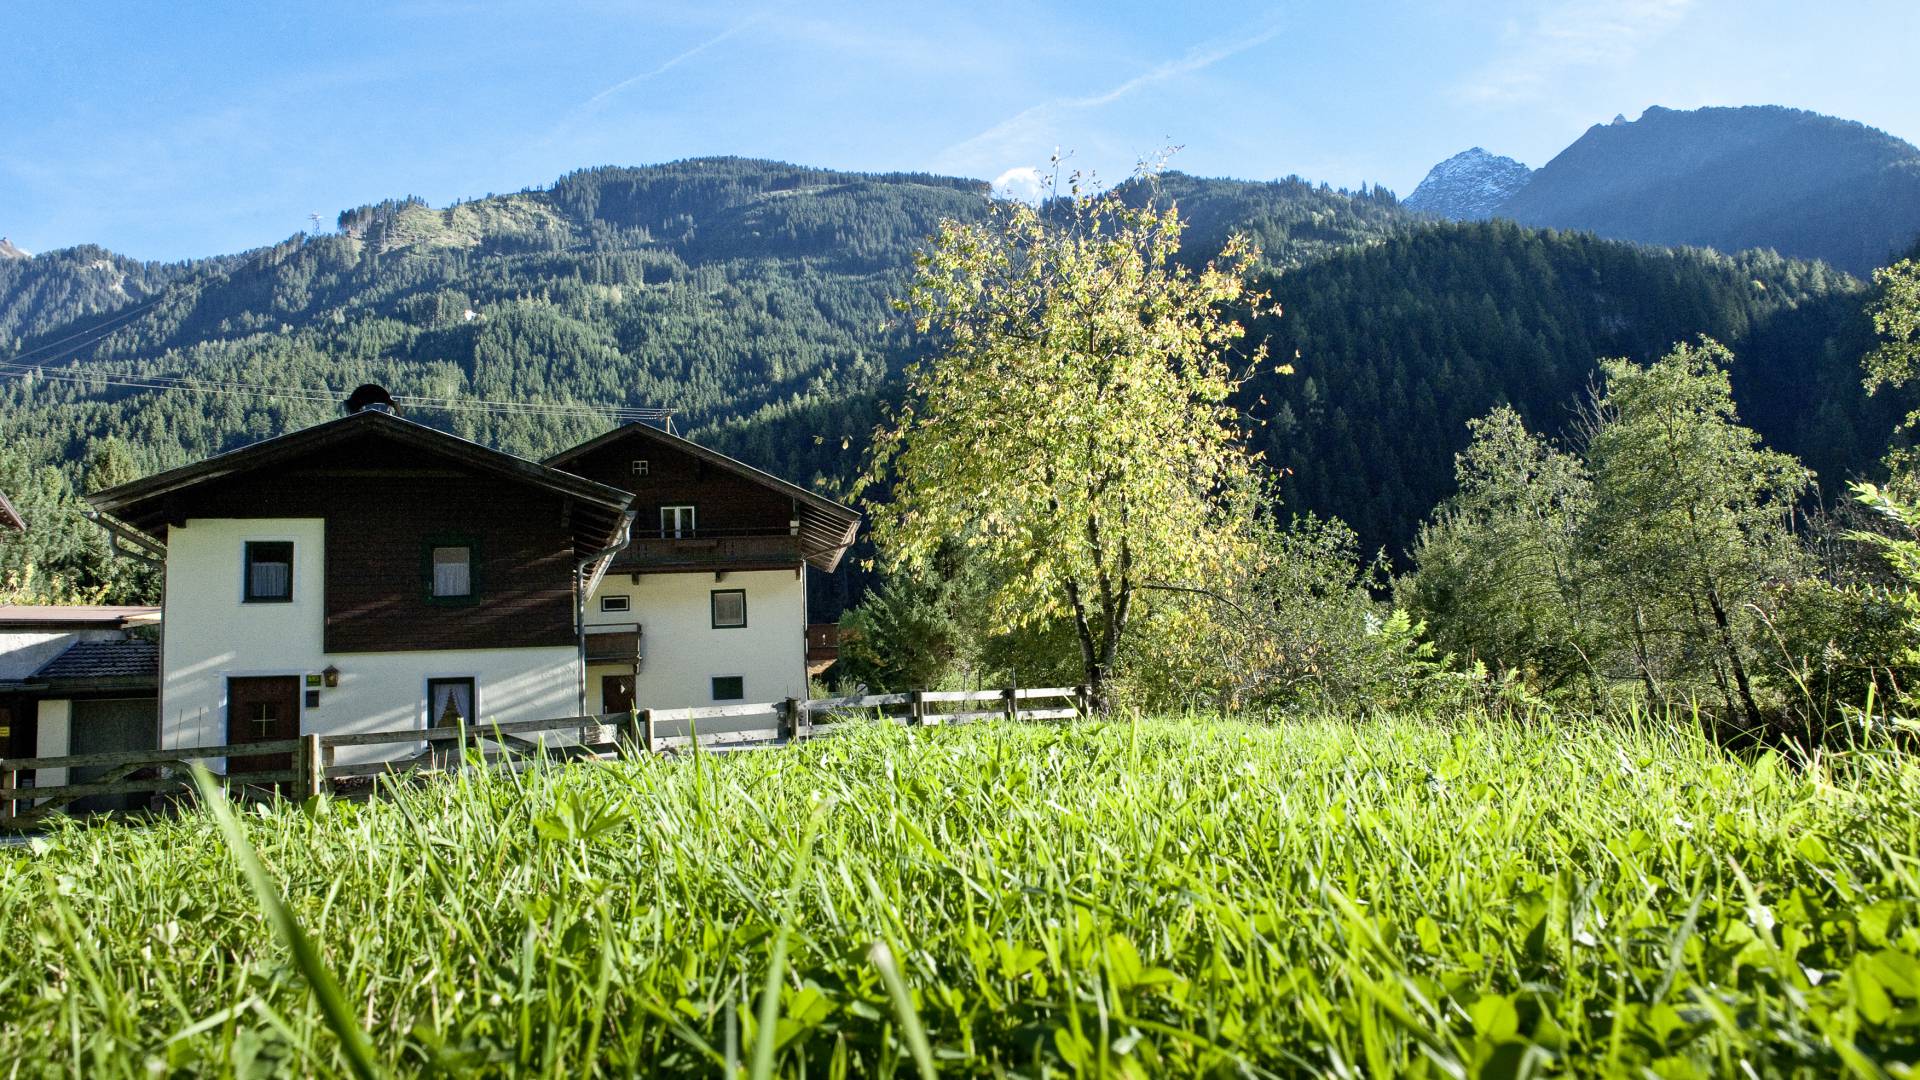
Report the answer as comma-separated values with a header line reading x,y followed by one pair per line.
x,y
614,645
717,549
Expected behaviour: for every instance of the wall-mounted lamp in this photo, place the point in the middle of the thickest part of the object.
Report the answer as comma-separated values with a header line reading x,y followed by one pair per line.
x,y
331,676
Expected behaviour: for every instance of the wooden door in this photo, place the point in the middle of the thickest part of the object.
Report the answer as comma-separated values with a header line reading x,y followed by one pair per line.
x,y
261,709
616,693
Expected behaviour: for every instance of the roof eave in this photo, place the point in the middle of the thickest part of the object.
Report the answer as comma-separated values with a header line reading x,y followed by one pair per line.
x,y
735,465
125,499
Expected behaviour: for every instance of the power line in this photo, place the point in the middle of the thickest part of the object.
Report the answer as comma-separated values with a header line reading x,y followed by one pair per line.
x,y
101,328
14,367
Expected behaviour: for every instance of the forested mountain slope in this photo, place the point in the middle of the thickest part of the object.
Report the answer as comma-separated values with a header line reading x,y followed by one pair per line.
x,y
752,298
43,292
1398,345
1802,184
718,288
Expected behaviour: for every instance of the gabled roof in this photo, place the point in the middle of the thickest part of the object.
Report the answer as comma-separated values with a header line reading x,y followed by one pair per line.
x,y
144,504
94,660
9,517
827,528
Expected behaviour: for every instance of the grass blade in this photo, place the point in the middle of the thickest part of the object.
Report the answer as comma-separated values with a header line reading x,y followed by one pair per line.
x,y
910,1029
333,1003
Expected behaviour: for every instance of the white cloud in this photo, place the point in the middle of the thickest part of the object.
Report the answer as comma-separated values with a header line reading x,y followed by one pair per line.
x,y
1023,182
1036,126
1578,33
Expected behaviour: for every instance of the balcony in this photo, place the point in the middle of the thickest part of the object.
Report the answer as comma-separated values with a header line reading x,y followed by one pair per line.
x,y
708,549
614,644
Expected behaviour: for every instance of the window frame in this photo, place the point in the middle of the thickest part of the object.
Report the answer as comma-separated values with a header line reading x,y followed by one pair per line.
x,y
474,583
626,604
713,609
247,595
641,467
713,688
678,532
473,697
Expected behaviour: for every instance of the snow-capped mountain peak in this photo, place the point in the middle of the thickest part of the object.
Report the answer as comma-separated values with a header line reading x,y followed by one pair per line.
x,y
1469,185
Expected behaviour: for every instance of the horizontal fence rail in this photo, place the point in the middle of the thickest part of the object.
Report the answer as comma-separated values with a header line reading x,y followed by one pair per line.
x,y
510,745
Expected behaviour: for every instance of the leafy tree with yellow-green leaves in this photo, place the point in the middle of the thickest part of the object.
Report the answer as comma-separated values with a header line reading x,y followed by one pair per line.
x,y
1072,430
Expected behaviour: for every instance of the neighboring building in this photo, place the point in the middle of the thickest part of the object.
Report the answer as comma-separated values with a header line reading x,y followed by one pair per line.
x,y
77,680
373,574
367,574
708,603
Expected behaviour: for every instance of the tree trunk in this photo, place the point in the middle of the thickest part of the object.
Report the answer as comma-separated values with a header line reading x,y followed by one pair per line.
x,y
1732,650
1641,660
1093,673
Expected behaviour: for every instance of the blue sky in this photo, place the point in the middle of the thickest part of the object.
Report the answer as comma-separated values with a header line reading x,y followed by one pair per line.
x,y
173,130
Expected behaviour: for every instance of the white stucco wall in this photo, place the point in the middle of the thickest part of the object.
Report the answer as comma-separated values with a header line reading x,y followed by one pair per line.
x,y
53,738
212,636
682,651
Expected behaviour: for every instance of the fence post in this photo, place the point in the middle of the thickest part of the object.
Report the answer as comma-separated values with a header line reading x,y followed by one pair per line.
x,y
645,719
790,719
629,739
1080,696
10,779
916,708
1012,695
313,767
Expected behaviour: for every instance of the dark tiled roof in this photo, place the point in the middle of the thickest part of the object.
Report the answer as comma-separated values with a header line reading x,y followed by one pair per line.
x,y
104,660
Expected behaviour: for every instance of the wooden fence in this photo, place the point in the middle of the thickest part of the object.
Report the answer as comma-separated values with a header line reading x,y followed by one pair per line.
x,y
442,749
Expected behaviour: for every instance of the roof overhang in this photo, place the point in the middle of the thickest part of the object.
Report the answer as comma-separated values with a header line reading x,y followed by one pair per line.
x,y
58,617
9,516
147,505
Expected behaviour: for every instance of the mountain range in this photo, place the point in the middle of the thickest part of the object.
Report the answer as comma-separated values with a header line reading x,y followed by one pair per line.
x,y
1802,184
752,297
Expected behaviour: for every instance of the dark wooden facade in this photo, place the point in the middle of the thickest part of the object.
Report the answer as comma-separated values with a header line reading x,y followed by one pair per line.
x,y
727,504
744,519
386,502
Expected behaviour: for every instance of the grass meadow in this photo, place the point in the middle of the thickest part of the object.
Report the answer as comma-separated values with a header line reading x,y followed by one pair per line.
x,y
1175,896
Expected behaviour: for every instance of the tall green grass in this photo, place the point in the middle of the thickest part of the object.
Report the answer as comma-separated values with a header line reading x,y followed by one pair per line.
x,y
1172,897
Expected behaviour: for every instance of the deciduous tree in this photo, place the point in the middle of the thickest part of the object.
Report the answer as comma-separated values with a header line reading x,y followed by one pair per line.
x,y
1072,429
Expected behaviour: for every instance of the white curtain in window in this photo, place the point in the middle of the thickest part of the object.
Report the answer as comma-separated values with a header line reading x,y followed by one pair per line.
x,y
271,578
452,699
452,571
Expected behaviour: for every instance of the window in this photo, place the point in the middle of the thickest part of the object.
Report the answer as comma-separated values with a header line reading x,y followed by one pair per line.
x,y
269,572
452,570
449,702
729,608
676,522
729,687
616,603
639,466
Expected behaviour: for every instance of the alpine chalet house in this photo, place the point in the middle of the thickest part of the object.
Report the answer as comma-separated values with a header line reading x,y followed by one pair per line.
x,y
707,604
366,574
374,574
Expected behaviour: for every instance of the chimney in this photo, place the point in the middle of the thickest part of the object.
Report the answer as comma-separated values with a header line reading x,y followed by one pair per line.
x,y
371,397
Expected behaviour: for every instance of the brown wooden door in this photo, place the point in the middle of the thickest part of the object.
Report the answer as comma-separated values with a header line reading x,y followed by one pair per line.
x,y
616,693
260,709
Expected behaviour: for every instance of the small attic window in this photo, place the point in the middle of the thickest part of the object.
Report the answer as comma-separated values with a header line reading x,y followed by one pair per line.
x,y
639,466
